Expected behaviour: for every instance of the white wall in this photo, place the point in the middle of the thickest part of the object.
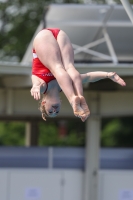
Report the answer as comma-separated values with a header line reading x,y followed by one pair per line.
x,y
37,184
116,185
3,184
44,184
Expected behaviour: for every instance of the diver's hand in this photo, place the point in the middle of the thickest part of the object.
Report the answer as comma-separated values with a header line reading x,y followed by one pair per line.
x,y
114,77
35,92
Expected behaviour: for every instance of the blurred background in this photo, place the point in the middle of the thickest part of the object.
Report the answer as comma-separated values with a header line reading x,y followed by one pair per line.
x,y
64,158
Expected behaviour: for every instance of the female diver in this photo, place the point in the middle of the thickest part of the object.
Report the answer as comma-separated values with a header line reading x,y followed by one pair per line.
x,y
53,71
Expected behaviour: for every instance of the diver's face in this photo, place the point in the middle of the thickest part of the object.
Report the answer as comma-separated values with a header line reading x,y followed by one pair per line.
x,y
52,108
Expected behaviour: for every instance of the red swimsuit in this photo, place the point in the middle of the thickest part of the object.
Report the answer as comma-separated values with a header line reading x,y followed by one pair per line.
x,y
38,68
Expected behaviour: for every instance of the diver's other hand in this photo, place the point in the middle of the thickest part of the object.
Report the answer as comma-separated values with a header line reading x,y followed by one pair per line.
x,y
114,77
35,92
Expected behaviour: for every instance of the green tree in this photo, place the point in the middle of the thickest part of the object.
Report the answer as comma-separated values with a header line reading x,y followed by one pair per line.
x,y
12,133
19,20
117,132
49,135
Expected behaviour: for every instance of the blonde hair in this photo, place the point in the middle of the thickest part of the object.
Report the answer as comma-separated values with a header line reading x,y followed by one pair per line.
x,y
43,111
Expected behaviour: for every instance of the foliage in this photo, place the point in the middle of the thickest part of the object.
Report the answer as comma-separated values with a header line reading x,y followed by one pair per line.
x,y
117,132
12,133
19,19
49,135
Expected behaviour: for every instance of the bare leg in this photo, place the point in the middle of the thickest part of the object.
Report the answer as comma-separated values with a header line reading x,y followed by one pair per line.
x,y
48,52
68,62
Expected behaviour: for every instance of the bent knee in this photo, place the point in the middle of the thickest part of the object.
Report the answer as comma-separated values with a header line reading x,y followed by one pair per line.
x,y
71,70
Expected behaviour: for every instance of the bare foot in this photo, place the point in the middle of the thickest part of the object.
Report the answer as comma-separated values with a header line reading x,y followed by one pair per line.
x,y
78,111
80,108
84,106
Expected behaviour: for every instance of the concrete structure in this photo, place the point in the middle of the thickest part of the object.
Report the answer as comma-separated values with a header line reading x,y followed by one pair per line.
x,y
34,184
37,174
102,39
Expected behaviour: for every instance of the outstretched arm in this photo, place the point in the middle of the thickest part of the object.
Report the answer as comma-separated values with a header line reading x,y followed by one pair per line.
x,y
37,85
98,75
